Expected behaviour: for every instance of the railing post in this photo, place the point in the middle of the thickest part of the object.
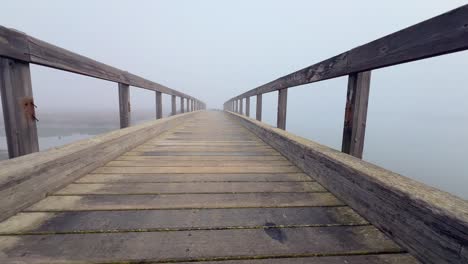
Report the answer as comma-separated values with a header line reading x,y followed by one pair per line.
x,y
241,106
258,113
247,106
282,107
173,105
158,105
181,105
18,107
357,99
124,105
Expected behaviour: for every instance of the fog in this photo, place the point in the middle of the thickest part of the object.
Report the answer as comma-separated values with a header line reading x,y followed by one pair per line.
x,y
214,50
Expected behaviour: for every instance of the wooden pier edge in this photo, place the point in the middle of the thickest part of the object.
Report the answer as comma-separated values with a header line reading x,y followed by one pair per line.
x,y
429,223
27,179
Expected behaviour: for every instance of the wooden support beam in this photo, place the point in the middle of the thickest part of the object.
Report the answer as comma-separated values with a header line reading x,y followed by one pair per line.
x,y
18,107
258,112
158,105
247,106
124,105
241,106
182,105
282,107
188,106
173,104
356,113
192,107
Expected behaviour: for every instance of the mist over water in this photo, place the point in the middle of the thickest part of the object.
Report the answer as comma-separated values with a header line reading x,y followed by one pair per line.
x,y
418,116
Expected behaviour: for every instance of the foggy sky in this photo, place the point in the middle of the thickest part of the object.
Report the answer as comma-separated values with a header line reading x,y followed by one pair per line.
x,y
209,49
417,119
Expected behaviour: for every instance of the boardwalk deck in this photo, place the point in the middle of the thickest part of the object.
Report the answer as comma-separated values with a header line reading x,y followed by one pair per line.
x,y
208,190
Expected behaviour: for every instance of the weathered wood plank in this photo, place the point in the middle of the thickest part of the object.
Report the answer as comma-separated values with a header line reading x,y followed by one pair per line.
x,y
201,158
18,108
124,105
188,163
192,177
186,245
439,35
431,224
398,258
191,187
282,107
206,153
183,201
251,169
17,45
356,113
27,179
141,220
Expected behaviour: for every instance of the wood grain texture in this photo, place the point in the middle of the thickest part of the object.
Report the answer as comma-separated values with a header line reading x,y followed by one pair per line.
x,y
440,35
190,219
19,46
282,108
27,179
193,245
431,224
124,105
357,99
18,108
194,177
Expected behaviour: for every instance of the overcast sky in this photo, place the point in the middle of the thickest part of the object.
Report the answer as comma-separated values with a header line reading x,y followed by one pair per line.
x,y
418,115
210,49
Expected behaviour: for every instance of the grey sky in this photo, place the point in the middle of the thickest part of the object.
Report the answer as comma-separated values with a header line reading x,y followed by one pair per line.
x,y
211,49
418,116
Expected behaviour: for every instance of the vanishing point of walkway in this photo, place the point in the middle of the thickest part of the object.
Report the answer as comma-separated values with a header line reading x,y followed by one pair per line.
x,y
208,190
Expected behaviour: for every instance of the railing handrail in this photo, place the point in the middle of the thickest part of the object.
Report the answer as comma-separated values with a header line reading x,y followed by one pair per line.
x,y
443,34
18,50
20,46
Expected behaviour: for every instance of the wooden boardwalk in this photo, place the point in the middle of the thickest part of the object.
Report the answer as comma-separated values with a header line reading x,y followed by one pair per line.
x,y
207,190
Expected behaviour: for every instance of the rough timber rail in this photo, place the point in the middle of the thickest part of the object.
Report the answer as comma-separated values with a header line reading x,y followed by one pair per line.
x,y
220,187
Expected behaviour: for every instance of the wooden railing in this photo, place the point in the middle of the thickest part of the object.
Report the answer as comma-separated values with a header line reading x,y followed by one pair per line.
x,y
18,50
446,33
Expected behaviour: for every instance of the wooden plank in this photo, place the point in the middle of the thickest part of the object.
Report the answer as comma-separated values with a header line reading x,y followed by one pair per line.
x,y
124,105
183,201
439,35
173,105
210,153
431,224
18,108
397,258
187,245
282,107
27,180
158,105
143,220
200,158
247,106
204,187
356,113
258,113
252,169
192,177
188,163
